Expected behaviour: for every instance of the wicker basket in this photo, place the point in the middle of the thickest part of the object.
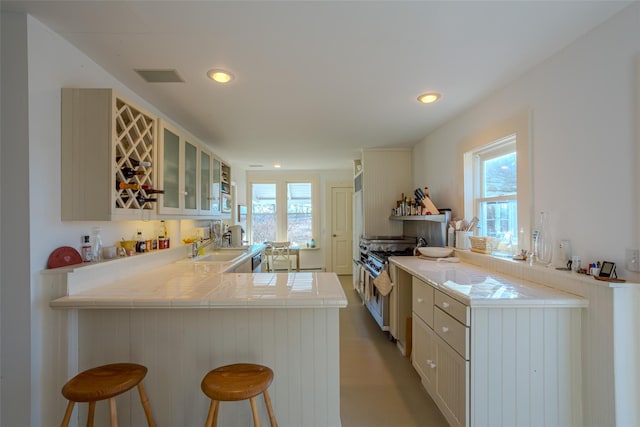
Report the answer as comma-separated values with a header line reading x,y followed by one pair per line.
x,y
481,244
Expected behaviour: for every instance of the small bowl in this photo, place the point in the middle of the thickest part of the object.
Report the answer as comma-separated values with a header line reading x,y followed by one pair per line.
x,y
435,251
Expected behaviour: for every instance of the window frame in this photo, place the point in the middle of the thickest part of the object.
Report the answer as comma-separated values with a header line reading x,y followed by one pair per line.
x,y
281,180
519,127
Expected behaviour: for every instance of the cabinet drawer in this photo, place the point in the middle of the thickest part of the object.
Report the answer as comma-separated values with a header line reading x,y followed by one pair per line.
x,y
453,332
423,300
454,308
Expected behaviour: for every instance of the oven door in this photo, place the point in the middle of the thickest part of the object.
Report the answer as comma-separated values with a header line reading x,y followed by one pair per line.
x,y
377,304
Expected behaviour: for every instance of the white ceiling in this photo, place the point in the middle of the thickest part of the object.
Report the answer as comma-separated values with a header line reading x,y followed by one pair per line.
x,y
317,80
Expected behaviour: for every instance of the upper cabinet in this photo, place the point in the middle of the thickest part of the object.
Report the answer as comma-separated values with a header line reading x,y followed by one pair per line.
x,y
185,174
108,157
384,175
121,163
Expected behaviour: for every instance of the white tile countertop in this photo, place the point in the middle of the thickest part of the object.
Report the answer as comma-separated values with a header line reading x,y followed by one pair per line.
x,y
184,284
478,287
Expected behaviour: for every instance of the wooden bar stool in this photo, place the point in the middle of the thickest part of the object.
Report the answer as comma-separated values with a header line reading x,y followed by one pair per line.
x,y
106,382
239,381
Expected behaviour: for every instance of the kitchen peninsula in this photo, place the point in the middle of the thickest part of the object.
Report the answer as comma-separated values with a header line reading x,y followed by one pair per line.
x,y
184,318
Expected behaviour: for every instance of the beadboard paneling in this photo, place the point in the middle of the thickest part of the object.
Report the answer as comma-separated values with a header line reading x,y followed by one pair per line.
x,y
180,346
526,367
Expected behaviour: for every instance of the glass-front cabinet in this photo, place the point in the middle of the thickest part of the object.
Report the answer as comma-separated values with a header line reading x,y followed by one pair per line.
x,y
178,173
190,177
206,182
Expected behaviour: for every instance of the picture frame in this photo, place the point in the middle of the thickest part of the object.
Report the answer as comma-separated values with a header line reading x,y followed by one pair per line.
x,y
608,269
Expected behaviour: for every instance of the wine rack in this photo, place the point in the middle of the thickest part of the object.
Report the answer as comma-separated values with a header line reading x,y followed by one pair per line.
x,y
134,143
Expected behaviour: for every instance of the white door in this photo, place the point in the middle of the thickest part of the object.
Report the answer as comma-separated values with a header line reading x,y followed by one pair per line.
x,y
341,230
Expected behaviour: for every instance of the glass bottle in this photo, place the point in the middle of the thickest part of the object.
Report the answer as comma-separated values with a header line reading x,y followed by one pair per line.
x,y
542,242
96,253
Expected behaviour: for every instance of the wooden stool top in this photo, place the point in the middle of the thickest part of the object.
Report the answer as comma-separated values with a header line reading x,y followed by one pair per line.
x,y
103,382
239,381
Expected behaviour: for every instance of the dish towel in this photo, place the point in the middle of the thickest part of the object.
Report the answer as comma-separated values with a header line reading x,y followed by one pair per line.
x,y
367,286
383,283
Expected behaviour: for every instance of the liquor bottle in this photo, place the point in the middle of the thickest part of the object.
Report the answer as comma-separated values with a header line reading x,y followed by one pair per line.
x,y
130,173
136,163
86,248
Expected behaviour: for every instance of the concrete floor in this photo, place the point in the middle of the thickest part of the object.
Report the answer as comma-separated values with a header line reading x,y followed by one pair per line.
x,y
378,386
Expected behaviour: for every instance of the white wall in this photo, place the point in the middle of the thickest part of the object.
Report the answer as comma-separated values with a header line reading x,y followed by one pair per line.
x,y
584,145
14,227
585,137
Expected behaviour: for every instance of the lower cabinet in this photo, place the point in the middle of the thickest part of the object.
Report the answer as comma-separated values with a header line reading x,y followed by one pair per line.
x,y
497,365
438,355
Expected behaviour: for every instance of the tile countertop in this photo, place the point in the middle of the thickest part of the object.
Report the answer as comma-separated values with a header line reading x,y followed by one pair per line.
x,y
206,285
479,287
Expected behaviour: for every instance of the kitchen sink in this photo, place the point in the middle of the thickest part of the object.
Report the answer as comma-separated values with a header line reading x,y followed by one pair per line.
x,y
222,255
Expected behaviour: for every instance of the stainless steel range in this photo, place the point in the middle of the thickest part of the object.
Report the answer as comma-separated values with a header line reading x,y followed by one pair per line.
x,y
374,254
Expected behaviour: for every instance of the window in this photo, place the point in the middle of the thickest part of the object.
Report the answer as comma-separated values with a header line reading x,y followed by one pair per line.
x,y
282,208
263,212
299,212
497,183
496,190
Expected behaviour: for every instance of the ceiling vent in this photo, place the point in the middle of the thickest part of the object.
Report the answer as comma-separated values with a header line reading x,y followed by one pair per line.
x,y
160,76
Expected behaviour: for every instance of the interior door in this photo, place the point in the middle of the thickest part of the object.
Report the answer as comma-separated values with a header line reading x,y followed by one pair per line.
x,y
341,230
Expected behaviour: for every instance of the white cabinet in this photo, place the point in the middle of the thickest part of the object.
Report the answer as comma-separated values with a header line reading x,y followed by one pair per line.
x,y
497,365
206,182
103,137
187,174
386,174
178,159
441,348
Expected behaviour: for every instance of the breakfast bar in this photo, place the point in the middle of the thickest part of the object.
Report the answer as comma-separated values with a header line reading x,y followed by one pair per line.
x,y
185,318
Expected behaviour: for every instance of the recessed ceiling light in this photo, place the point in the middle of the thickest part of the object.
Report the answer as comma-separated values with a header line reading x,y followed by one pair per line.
x,y
429,98
220,76
277,165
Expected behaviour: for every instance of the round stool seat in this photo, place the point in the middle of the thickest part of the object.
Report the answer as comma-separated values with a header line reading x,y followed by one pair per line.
x,y
103,382
239,381
236,382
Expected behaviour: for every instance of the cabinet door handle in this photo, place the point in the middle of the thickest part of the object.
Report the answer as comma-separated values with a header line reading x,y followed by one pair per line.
x,y
431,364
420,300
184,193
445,329
445,305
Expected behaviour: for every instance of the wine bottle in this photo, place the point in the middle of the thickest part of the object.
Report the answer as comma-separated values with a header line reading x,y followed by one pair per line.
x,y
148,190
130,173
124,186
139,198
136,163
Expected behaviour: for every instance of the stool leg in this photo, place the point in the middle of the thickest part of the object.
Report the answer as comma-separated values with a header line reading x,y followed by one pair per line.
x,y
212,416
67,414
113,412
145,405
254,411
272,416
92,410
